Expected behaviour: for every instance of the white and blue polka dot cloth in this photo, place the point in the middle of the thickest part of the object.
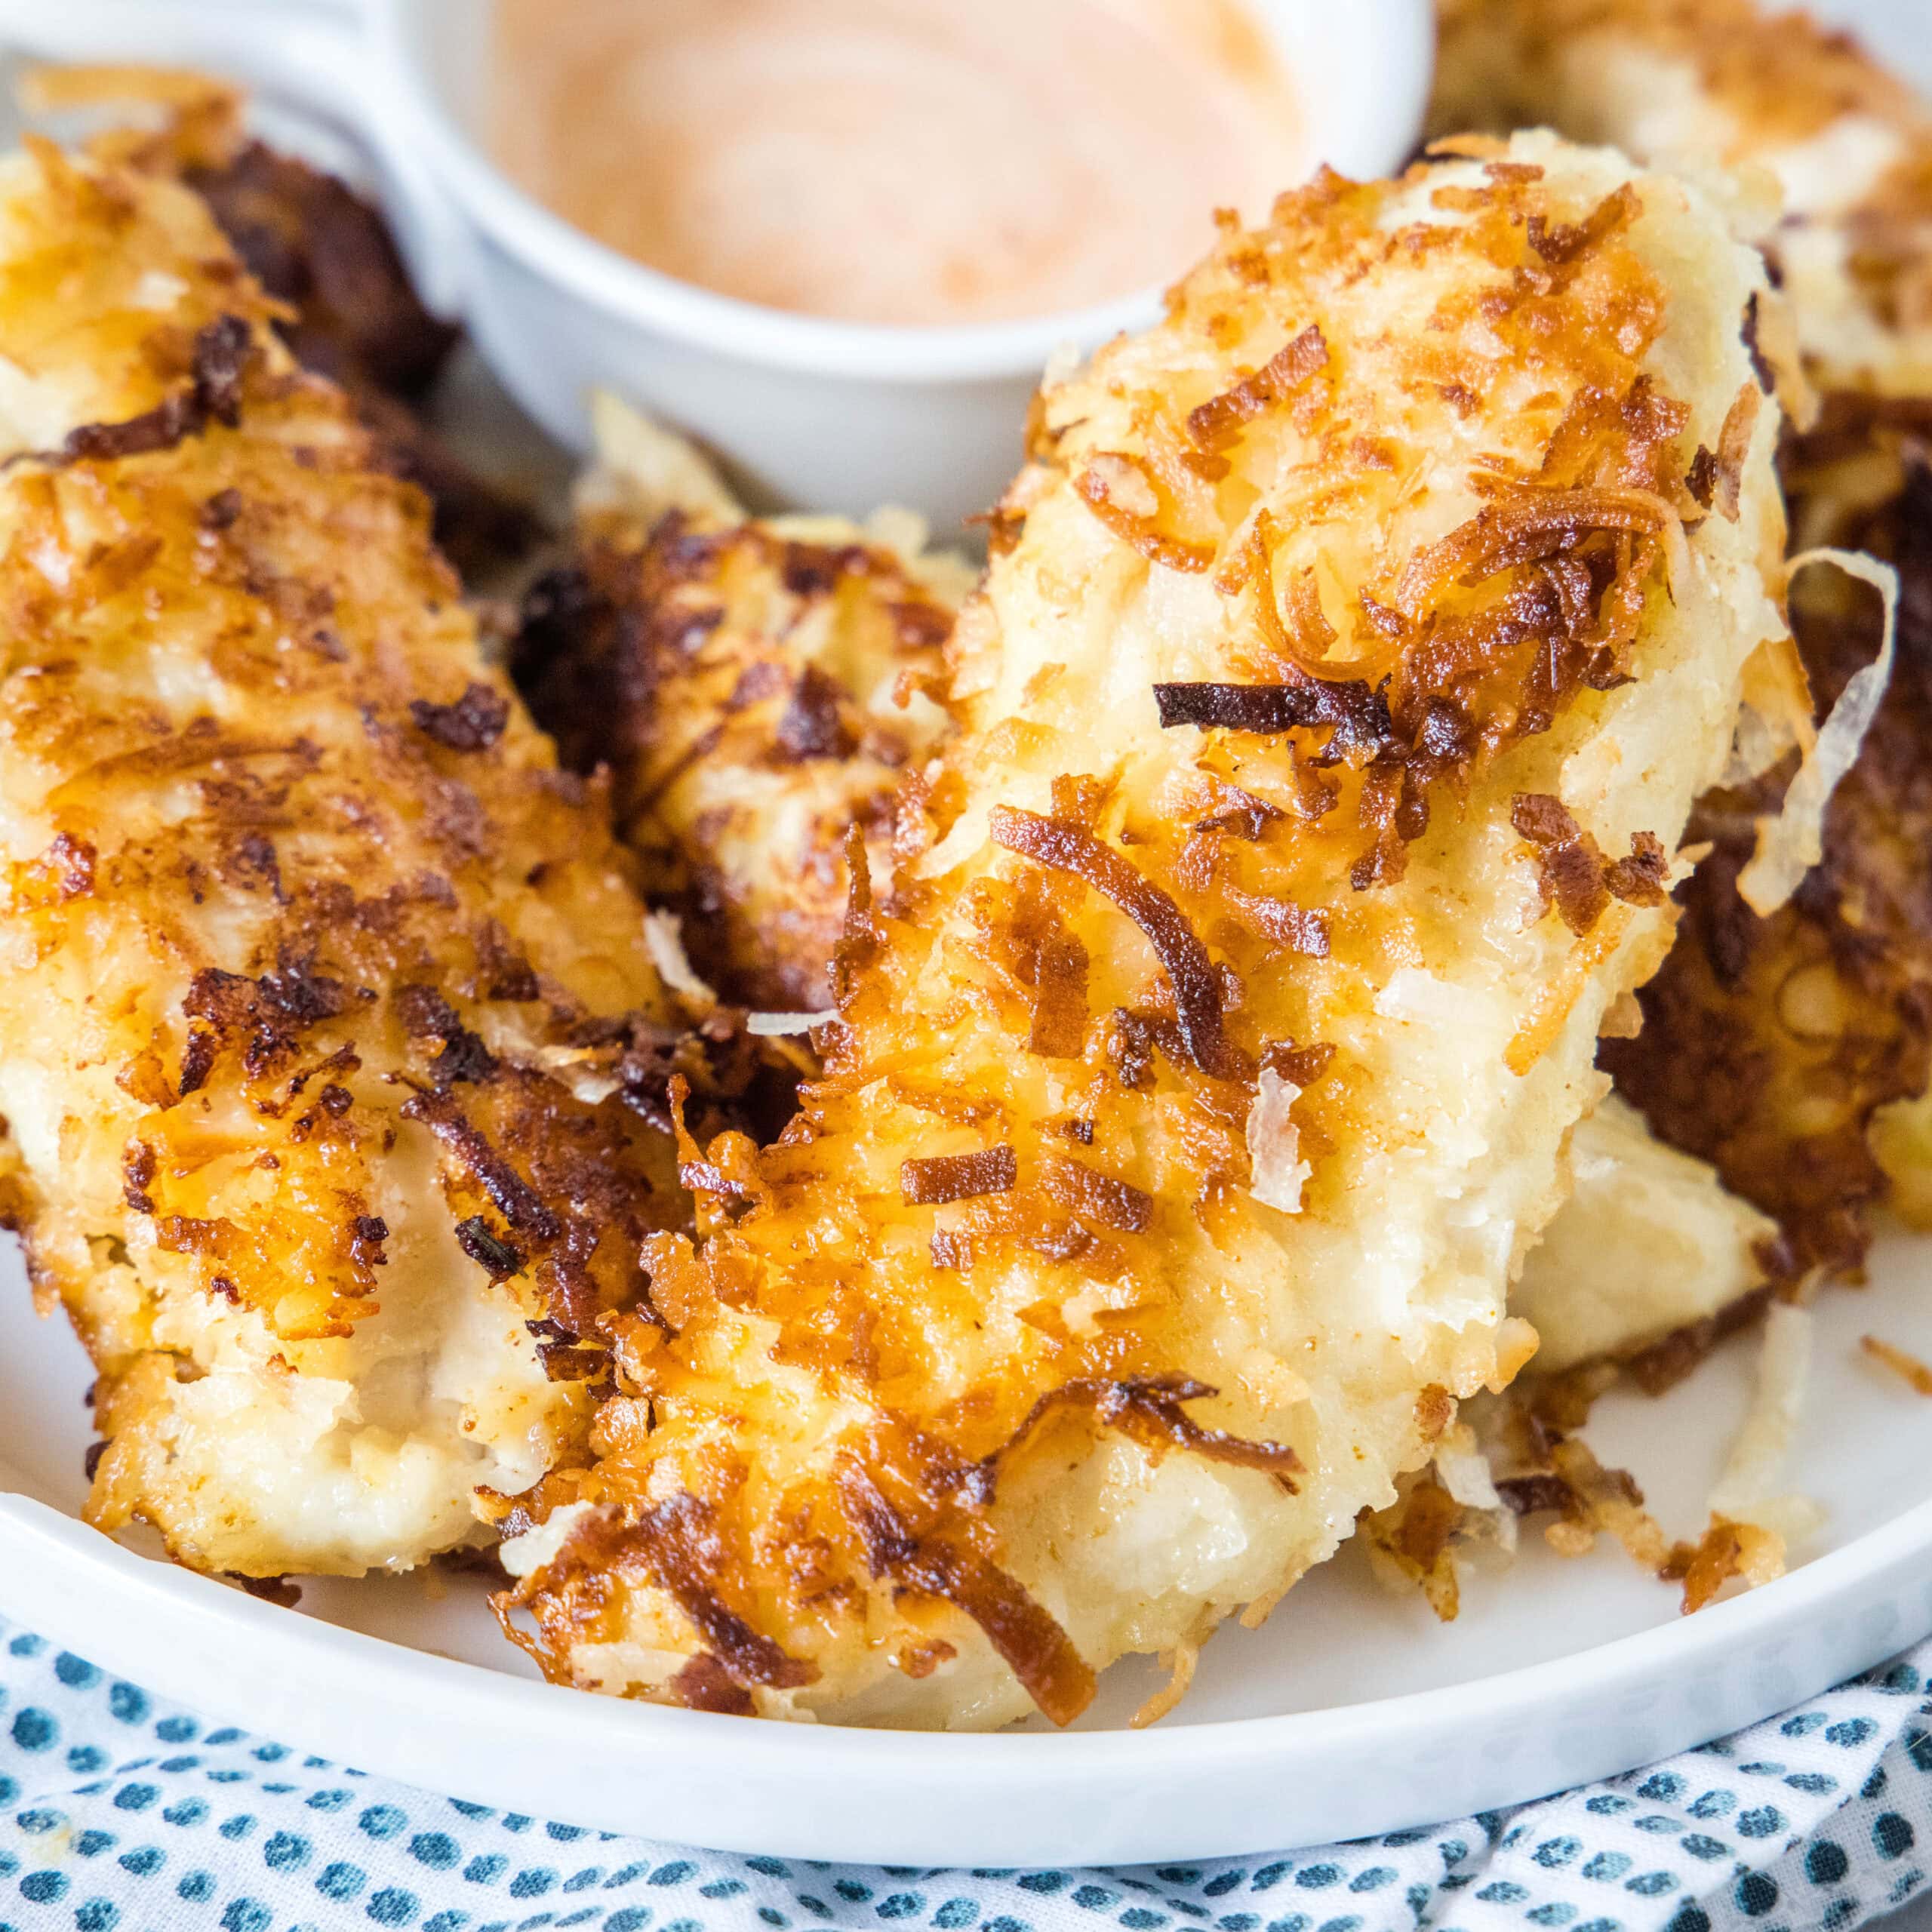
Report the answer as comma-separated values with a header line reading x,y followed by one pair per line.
x,y
119,1813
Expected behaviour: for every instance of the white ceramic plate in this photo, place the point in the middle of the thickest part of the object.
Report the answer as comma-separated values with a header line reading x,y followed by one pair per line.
x,y
1352,1711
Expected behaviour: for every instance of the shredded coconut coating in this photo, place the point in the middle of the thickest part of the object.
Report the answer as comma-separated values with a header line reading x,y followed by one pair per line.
x,y
755,688
1792,1051
995,1368
1711,85
330,1050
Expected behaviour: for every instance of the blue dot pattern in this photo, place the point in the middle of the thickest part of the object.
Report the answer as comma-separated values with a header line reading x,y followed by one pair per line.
x,y
119,1814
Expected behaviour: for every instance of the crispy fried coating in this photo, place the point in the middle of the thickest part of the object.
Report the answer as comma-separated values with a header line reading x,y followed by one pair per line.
x,y
326,254
1791,1052
1724,85
1771,1046
333,1070
755,688
1330,714
1648,1245
314,243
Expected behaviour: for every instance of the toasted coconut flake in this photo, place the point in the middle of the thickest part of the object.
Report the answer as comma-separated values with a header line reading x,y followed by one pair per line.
x,y
1790,844
1068,847
1274,1144
1569,866
1358,716
1053,965
949,1251
1702,479
777,1026
1641,879
1900,1362
1734,447
944,1177
1148,1409
1612,1501
1179,1663
1563,242
1217,422
1119,491
677,1544
1098,1199
1533,1495
1523,527
1748,1492
1293,621
1592,1498
1410,1545
1727,1552
1572,873
1300,929
473,721
1034,1645
664,940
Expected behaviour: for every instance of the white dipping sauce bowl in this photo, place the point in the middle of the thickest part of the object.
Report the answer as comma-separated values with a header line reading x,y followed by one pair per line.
x,y
827,415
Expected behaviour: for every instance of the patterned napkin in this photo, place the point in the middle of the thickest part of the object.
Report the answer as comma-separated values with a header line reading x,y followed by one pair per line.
x,y
121,1813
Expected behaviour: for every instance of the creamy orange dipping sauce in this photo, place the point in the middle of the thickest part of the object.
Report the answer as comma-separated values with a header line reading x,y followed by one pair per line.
x,y
914,162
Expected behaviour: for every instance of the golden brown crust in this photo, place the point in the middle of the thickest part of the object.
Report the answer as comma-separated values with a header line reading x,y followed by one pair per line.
x,y
753,694
325,253
1769,1045
1728,84
301,919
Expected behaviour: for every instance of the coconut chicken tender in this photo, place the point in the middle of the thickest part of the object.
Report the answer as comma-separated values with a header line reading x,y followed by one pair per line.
x,y
333,1070
1329,716
1793,1050
594,663
756,688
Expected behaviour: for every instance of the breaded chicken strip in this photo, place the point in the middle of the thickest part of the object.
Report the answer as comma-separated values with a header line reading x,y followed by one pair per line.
x,y
1725,84
639,667
1330,715
1794,1050
333,1069
756,686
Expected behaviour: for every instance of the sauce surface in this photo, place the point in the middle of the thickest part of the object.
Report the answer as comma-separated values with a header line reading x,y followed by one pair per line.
x,y
910,161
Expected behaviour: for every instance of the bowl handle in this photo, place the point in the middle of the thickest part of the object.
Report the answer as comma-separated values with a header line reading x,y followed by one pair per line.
x,y
314,55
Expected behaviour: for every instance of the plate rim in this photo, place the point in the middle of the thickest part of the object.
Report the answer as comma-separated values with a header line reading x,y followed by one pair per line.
x,y
49,1559
1733,1620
